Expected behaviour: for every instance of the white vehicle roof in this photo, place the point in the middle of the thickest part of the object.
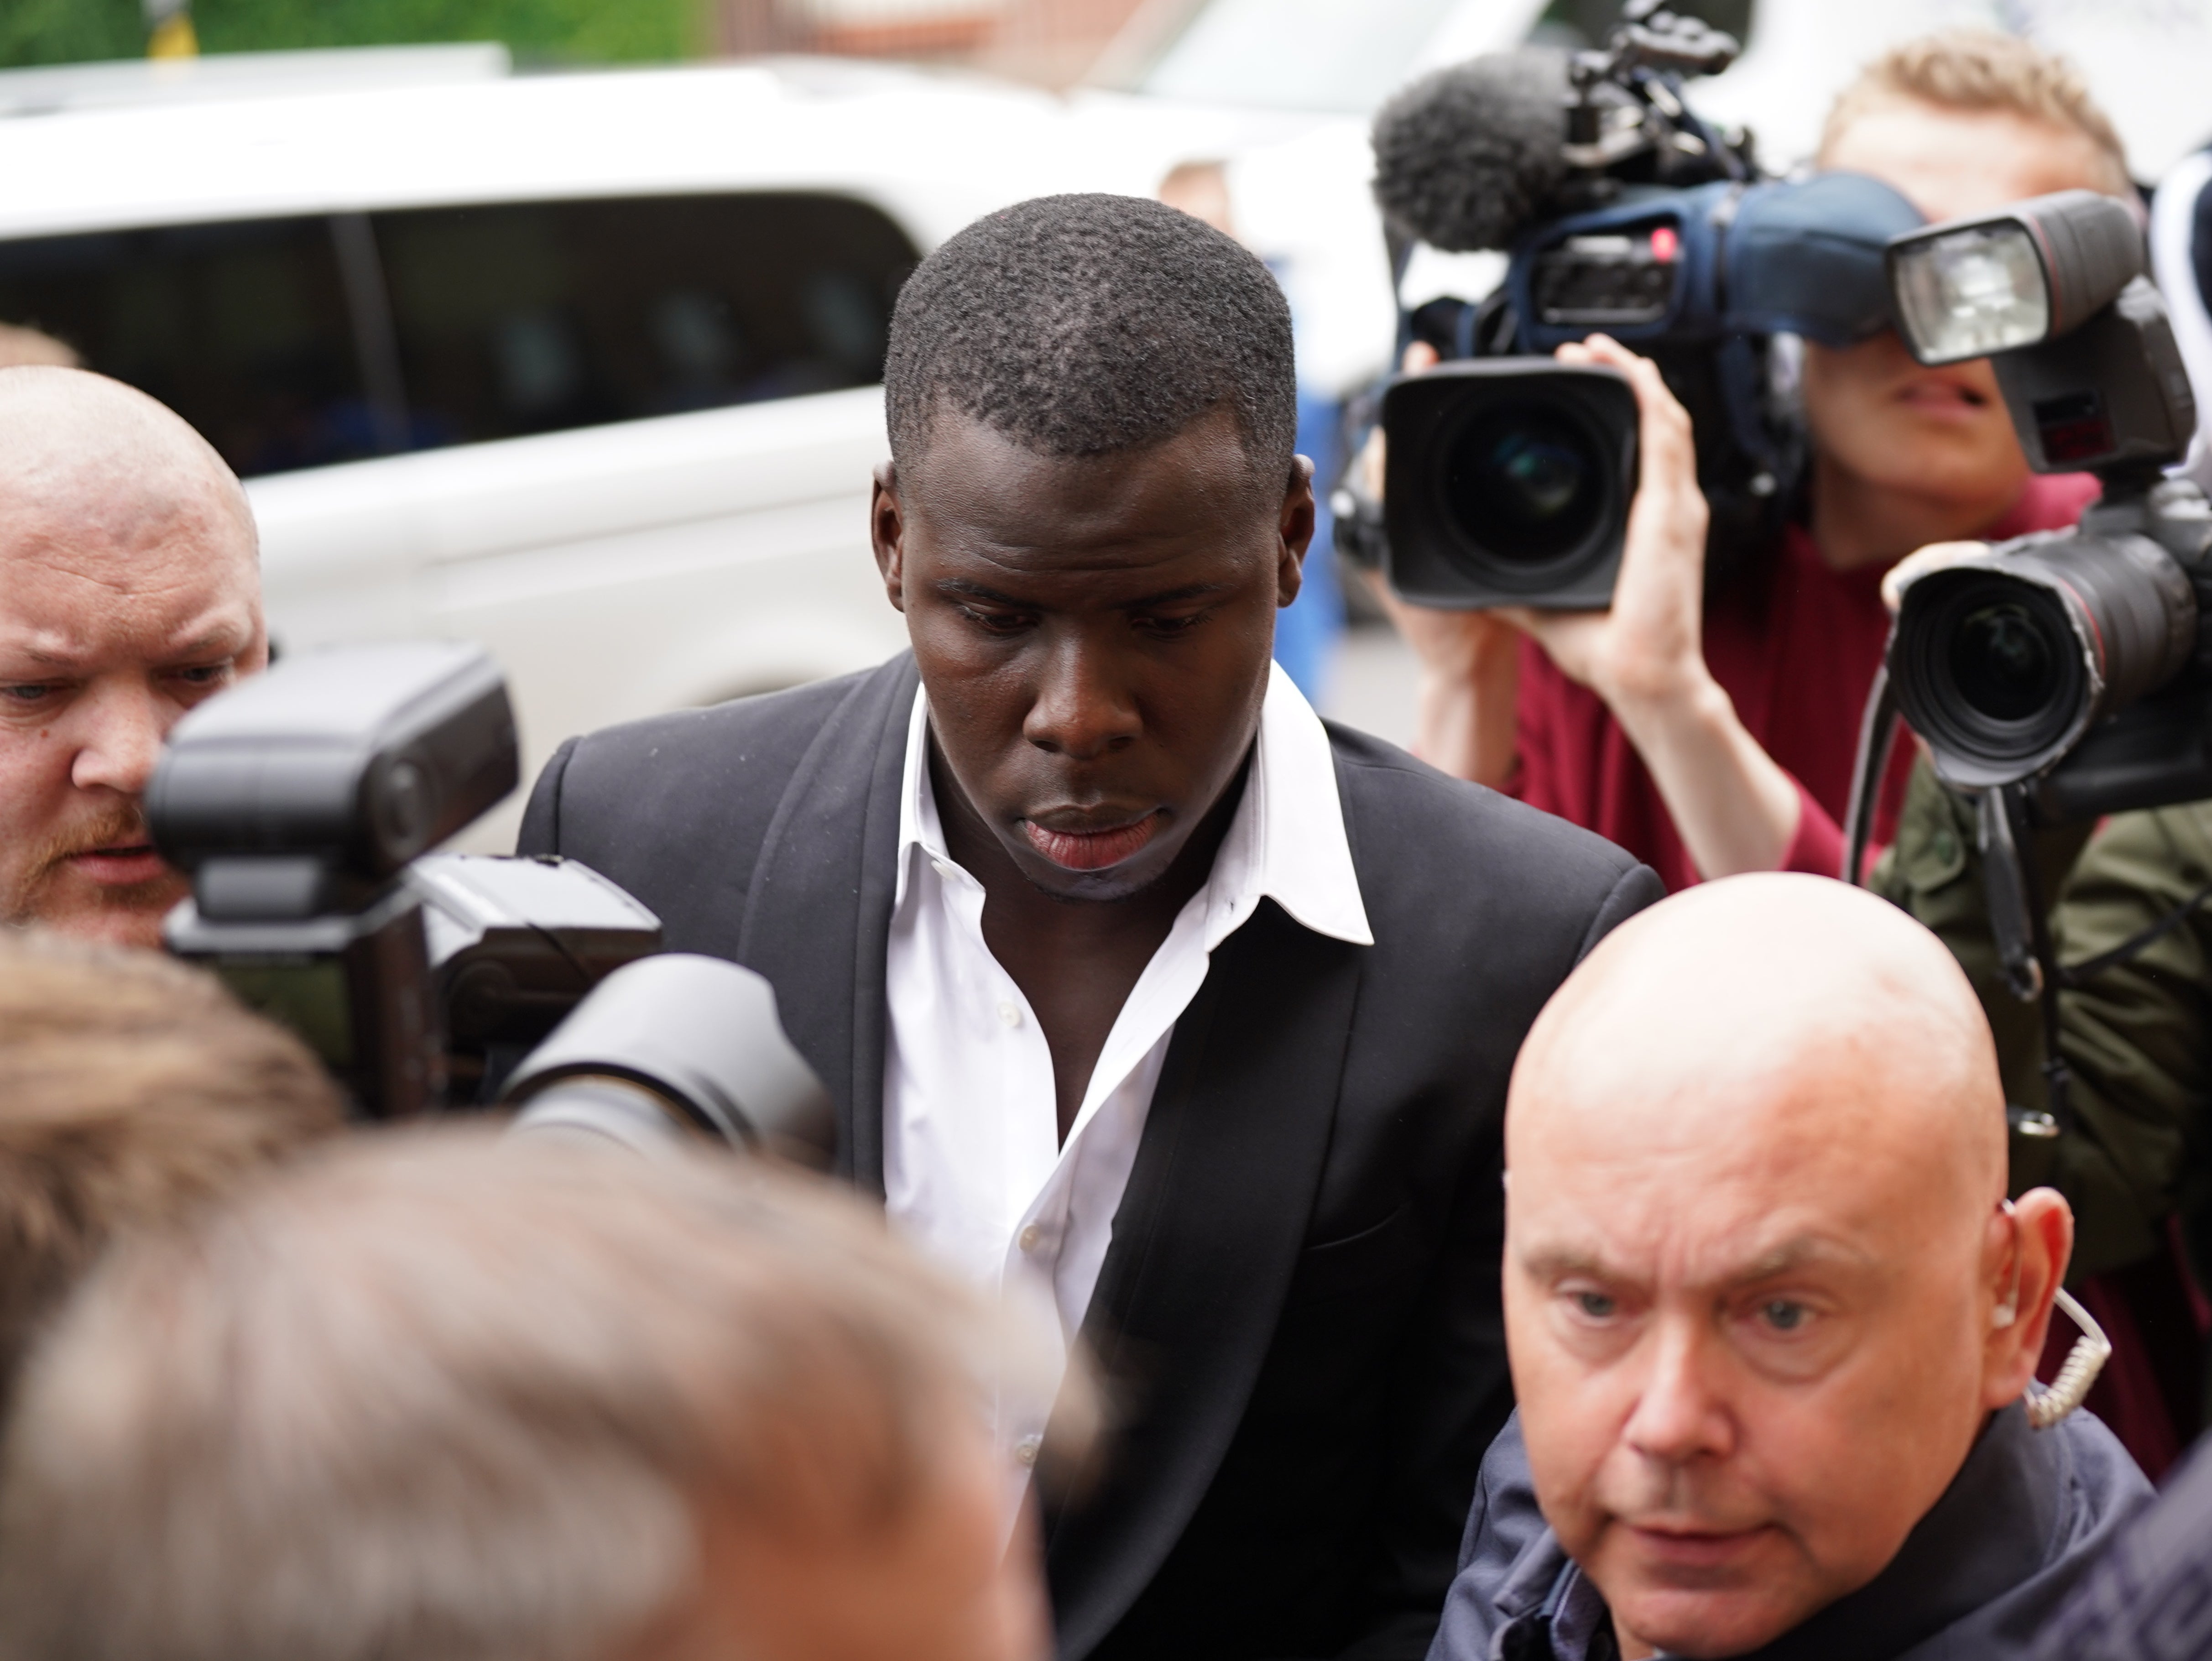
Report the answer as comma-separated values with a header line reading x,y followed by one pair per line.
x,y
934,151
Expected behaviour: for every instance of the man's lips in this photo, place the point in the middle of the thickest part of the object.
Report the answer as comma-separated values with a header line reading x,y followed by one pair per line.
x,y
1933,395
120,867
1692,1549
1091,850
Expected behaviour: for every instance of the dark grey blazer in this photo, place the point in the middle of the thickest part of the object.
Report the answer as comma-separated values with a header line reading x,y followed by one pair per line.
x,y
1298,1319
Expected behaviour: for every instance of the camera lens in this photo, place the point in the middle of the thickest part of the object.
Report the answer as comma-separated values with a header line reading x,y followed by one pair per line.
x,y
2004,662
1527,484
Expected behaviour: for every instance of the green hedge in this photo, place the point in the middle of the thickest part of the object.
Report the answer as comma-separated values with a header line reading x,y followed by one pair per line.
x,y
580,31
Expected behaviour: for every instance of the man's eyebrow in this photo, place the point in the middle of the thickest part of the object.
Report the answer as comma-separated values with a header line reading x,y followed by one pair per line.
x,y
1166,597
1804,1251
1561,1262
1558,1263
224,637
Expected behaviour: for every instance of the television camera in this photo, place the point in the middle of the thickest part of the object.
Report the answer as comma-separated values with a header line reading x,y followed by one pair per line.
x,y
1509,475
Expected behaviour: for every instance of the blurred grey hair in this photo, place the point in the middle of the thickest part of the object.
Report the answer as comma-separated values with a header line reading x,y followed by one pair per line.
x,y
438,1396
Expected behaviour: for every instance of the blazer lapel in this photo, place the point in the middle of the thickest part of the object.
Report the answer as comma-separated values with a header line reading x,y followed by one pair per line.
x,y
817,915
1205,1244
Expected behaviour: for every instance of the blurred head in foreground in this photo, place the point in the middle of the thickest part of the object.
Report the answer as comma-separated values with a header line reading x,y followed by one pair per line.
x,y
442,1397
130,590
1762,1289
133,1091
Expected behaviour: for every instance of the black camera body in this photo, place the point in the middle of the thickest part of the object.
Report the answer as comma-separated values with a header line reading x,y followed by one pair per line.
x,y
2074,667
1505,488
301,803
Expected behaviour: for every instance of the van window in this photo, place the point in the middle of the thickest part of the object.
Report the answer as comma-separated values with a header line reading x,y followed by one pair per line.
x,y
527,318
242,329
296,343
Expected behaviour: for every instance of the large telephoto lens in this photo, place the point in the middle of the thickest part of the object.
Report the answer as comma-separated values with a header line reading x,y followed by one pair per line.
x,y
2001,661
1526,482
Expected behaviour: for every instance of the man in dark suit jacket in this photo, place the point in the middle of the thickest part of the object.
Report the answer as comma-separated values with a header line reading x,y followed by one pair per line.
x,y
1136,988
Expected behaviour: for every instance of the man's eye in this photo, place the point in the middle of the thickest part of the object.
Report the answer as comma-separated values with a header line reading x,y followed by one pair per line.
x,y
1595,1306
27,692
1165,625
996,622
1783,1315
201,676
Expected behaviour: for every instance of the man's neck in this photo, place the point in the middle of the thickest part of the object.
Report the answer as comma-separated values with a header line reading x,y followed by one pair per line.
x,y
1076,961
1857,524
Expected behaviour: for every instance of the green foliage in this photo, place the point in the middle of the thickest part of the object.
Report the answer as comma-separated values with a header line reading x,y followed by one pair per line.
x,y
568,31
69,31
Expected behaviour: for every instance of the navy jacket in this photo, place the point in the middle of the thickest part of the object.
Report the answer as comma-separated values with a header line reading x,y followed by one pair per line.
x,y
2027,1515
2150,1599
1297,1320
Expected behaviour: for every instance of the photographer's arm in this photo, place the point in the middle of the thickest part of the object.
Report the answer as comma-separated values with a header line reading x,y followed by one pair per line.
x,y
1735,808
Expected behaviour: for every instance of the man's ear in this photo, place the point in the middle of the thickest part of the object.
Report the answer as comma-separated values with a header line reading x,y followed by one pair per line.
x,y
887,532
1296,530
2031,1246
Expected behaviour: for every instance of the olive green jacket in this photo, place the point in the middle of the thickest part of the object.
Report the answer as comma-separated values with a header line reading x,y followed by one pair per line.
x,y
2137,1038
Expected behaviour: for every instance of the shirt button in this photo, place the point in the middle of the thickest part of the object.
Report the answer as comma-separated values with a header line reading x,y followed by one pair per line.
x,y
1031,1236
1026,1451
1010,1012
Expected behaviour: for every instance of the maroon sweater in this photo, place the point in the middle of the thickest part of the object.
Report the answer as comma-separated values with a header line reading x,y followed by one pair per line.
x,y
1795,648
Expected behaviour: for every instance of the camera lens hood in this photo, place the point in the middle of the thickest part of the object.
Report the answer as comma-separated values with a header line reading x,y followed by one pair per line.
x,y
703,1035
2002,660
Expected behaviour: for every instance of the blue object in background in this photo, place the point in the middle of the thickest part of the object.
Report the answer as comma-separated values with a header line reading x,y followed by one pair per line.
x,y
1307,632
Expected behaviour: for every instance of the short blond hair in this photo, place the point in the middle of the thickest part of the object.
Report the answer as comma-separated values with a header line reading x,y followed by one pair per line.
x,y
133,1090
444,1396
1977,70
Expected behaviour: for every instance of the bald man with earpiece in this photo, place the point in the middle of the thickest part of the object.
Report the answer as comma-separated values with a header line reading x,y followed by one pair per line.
x,y
130,591
1773,1323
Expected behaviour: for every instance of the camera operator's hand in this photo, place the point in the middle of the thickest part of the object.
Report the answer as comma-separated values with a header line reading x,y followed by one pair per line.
x,y
1468,690
1736,808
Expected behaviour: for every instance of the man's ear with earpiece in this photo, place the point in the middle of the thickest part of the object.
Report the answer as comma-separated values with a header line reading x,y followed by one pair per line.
x,y
2029,1243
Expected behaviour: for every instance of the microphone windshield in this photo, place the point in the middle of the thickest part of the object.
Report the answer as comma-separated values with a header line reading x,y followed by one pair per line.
x,y
1464,157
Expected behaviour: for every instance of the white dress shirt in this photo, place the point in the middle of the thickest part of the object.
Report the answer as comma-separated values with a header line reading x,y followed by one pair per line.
x,y
974,1169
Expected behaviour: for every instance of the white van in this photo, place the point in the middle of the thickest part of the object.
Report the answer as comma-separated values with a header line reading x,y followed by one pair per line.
x,y
585,368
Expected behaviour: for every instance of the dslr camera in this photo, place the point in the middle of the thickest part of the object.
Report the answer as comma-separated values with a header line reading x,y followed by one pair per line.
x,y
2074,667
1509,475
303,804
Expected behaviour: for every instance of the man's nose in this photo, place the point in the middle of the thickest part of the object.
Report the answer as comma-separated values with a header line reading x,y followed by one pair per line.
x,y
120,730
1084,707
1680,1415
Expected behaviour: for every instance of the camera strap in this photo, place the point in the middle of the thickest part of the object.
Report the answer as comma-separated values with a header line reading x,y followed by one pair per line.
x,y
2022,934
2017,923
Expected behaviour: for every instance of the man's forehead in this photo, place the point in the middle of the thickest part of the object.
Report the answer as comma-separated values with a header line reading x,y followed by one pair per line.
x,y
1953,162
1725,1233
64,606
973,485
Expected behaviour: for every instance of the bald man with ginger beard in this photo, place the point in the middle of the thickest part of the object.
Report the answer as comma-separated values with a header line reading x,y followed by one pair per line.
x,y
130,591
1769,1314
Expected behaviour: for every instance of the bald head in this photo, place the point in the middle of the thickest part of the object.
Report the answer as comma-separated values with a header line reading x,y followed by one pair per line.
x,y
1761,1288
129,591
1769,1008
80,455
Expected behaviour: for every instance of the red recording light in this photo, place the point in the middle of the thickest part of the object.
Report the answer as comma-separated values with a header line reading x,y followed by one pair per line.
x,y
1665,244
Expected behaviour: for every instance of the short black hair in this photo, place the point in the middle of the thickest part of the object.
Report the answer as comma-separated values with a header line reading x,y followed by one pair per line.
x,y
1079,326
